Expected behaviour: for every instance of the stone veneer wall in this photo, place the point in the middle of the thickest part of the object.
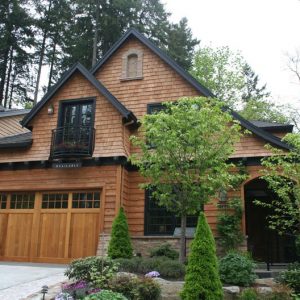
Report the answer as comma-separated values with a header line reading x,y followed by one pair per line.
x,y
143,244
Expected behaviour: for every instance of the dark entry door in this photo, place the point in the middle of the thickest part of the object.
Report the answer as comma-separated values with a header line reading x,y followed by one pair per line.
x,y
264,244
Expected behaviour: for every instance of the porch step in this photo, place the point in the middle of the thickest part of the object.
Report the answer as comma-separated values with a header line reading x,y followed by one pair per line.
x,y
267,274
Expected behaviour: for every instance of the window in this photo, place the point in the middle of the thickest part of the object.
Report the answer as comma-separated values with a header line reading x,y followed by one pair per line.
x,y
132,65
86,200
3,201
22,201
158,221
57,200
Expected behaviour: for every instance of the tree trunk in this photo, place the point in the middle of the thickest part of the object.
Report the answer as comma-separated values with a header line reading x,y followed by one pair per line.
x,y
95,40
45,32
182,252
51,65
3,74
12,89
39,69
8,77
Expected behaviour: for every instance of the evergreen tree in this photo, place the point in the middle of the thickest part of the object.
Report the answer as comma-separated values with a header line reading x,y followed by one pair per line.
x,y
251,89
120,244
202,280
180,34
16,38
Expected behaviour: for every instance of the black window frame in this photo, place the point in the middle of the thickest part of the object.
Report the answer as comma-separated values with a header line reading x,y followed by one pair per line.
x,y
63,103
149,213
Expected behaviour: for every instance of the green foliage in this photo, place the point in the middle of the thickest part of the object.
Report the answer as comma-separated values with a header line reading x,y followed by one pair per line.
x,y
291,277
282,173
220,70
178,35
297,242
202,279
189,163
232,80
264,110
167,268
136,288
147,288
229,224
93,269
120,243
106,295
237,268
249,294
164,250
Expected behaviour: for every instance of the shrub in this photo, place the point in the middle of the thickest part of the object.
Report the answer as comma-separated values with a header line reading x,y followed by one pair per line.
x,y
291,277
148,289
120,244
167,268
297,244
202,279
93,269
135,288
164,250
237,268
249,294
106,295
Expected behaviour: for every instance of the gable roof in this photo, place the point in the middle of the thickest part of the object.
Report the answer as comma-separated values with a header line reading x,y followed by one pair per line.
x,y
273,126
127,114
189,78
13,112
169,61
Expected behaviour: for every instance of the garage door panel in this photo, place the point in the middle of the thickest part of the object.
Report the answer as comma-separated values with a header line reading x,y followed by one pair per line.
x,y
83,234
18,235
52,235
3,232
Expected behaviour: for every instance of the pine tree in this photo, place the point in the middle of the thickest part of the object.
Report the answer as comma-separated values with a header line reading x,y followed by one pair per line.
x,y
120,244
202,280
251,89
180,34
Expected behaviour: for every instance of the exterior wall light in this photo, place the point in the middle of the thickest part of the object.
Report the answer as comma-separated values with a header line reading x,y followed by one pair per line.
x,y
50,109
222,196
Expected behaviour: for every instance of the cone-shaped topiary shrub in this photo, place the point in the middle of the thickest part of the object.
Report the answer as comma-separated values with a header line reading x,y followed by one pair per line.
x,y
202,279
120,244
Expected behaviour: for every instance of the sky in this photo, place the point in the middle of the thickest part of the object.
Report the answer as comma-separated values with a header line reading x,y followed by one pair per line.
x,y
263,30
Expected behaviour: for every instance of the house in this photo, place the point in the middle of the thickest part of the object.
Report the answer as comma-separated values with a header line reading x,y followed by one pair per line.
x,y
64,179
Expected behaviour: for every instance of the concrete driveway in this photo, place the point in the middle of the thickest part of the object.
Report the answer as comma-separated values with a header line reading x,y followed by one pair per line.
x,y
19,280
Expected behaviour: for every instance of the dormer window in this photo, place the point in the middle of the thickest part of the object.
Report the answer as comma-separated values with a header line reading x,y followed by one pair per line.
x,y
132,65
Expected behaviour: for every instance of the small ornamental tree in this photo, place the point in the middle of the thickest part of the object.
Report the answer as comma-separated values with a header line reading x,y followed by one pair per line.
x,y
184,155
282,173
120,244
202,280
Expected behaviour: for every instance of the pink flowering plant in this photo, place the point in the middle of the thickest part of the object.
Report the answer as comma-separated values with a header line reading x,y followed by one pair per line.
x,y
152,274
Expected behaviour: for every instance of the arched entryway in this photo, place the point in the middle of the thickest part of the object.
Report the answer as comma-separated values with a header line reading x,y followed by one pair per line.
x,y
264,244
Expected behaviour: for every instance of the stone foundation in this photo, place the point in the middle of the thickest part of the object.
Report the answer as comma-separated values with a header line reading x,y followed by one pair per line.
x,y
143,244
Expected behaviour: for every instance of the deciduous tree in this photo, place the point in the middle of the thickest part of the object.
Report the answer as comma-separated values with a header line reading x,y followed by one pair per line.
x,y
184,153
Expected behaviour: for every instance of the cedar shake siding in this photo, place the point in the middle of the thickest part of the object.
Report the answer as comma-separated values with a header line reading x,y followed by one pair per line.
x,y
119,103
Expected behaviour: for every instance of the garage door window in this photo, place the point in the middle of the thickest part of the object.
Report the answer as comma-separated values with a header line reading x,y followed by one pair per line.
x,y
3,201
22,201
86,200
57,200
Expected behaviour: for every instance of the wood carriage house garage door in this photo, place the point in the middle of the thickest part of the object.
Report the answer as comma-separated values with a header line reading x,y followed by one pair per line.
x,y
49,226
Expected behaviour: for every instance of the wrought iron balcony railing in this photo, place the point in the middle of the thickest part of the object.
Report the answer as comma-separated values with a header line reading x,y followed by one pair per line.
x,y
72,142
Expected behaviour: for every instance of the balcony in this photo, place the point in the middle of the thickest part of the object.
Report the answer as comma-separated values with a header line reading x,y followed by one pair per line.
x,y
72,142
